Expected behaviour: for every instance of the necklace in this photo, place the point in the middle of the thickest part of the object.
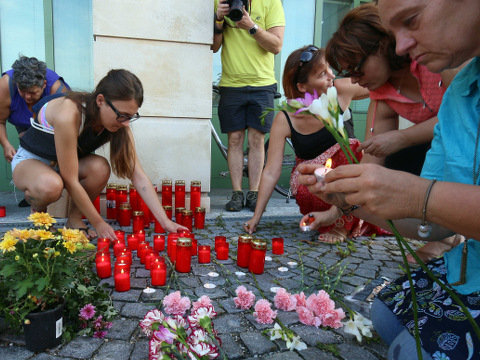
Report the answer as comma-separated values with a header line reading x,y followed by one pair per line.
x,y
475,170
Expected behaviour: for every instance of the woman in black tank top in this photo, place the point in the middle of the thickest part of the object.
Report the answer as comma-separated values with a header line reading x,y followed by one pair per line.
x,y
306,70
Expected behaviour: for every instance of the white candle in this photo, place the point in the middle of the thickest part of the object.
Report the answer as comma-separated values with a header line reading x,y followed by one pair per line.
x,y
292,264
282,269
321,172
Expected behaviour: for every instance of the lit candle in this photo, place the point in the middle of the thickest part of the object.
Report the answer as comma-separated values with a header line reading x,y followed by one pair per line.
x,y
158,276
257,256
149,256
322,171
203,254
104,267
125,258
121,266
159,242
222,252
305,226
120,235
122,281
277,246
183,255
117,247
243,250
142,247
143,255
132,241
219,239
140,235
103,244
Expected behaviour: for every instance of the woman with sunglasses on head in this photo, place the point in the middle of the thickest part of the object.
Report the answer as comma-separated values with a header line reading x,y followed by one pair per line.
x,y
306,70
363,50
57,151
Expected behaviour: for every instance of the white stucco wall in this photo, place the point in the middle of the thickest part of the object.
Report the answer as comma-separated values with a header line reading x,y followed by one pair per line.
x,y
167,45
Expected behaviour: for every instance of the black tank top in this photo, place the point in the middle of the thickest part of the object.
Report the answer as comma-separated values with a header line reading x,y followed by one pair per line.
x,y
309,146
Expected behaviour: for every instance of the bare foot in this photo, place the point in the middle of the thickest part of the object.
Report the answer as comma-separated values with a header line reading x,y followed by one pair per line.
x,y
335,236
434,249
80,225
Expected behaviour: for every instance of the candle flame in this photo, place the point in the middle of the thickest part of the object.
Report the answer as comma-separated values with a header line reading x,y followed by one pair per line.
x,y
328,164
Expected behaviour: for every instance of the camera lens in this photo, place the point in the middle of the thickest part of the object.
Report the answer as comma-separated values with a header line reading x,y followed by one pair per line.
x,y
236,12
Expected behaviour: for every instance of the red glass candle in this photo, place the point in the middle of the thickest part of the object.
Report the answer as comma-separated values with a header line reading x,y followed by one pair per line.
x,y
194,246
142,247
277,246
179,193
187,219
138,221
166,192
132,242
159,242
171,239
203,254
168,211
103,244
243,250
159,276
122,281
101,253
123,257
147,217
222,252
104,267
219,239
121,266
195,194
140,235
158,227
121,196
256,264
133,197
3,211
96,203
120,235
179,215
124,214
111,196
199,218
118,246
149,256
184,255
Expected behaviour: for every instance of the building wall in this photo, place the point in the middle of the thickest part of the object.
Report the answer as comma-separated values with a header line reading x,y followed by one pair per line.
x,y
168,48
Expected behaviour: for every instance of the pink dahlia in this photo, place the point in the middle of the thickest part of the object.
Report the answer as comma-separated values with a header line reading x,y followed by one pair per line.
x,y
263,312
245,299
87,312
284,301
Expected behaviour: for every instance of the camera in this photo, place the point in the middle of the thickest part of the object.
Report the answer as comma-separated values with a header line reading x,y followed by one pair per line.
x,y
236,12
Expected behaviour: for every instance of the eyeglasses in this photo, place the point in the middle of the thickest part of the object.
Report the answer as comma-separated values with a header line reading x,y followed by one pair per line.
x,y
305,57
357,70
122,117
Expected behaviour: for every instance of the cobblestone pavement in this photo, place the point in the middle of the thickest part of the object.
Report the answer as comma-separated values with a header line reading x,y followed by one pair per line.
x,y
362,260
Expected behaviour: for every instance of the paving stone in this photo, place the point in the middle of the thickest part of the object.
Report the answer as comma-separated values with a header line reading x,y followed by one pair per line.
x,y
287,355
256,343
228,324
215,294
287,317
81,347
131,295
351,352
312,335
114,350
313,353
122,329
230,347
155,297
136,310
14,353
43,356
229,306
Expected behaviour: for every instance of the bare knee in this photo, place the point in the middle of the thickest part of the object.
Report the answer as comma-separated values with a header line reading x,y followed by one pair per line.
x,y
46,189
235,139
94,167
256,139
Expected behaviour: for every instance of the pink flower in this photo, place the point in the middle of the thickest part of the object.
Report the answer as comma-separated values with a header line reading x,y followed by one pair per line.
x,y
202,317
175,304
150,318
98,322
87,312
307,317
163,334
306,101
284,301
263,312
204,301
320,303
99,334
245,299
334,318
301,299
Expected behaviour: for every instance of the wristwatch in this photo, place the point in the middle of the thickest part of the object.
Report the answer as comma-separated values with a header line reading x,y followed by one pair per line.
x,y
252,31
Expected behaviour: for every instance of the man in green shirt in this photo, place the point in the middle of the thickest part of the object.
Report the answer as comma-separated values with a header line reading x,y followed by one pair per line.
x,y
247,86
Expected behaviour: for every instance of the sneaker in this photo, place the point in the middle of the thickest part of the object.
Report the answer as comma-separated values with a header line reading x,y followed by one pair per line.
x,y
251,201
236,202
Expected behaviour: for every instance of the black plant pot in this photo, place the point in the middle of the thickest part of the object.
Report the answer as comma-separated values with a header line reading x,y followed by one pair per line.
x,y
44,330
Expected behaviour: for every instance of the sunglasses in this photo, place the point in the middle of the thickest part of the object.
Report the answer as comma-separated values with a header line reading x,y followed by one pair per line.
x,y
305,57
356,71
122,117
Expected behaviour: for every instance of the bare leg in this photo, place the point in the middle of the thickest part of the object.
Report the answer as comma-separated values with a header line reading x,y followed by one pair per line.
x,y
434,249
41,184
94,172
256,157
235,158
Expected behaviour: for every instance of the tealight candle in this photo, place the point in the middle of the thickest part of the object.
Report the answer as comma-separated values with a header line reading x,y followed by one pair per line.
x,y
283,269
203,254
292,264
240,274
322,171
222,252
122,281
209,286
158,242
274,289
149,290
277,246
213,274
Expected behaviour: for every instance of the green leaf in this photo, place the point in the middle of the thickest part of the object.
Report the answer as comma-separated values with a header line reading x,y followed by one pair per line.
x,y
41,283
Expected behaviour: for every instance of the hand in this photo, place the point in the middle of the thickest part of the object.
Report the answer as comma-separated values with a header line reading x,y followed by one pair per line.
x,y
246,22
9,152
104,230
321,218
250,226
222,9
385,144
174,227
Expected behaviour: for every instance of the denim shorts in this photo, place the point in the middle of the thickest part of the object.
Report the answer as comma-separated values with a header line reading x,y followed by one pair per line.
x,y
23,154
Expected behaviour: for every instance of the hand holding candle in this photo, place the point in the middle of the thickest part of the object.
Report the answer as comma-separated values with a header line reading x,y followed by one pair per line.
x,y
322,171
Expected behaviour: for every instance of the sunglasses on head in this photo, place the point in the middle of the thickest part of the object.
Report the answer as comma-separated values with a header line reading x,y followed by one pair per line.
x,y
305,57
122,117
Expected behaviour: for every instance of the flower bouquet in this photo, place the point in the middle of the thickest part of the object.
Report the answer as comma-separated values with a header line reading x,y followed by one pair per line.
x,y
177,335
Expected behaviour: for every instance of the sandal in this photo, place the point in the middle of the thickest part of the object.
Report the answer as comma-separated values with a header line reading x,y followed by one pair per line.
x,y
435,249
333,237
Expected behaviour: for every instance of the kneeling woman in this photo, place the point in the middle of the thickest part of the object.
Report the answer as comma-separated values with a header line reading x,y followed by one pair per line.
x,y
56,152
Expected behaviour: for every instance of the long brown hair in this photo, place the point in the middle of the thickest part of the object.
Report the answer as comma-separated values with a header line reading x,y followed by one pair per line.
x,y
361,34
293,73
118,84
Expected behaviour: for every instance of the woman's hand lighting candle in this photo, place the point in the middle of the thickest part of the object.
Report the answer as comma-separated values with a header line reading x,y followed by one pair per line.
x,y
306,224
322,171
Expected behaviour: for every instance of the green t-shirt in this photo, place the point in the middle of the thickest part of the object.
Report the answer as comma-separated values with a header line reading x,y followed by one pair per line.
x,y
244,61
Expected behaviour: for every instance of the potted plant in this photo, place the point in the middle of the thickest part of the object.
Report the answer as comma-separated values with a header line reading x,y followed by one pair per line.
x,y
38,268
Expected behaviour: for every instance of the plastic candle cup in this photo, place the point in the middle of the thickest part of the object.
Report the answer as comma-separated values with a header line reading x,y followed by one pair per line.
x,y
179,215
132,242
184,255
120,235
133,197
158,228
179,194
166,192
111,195
277,246
158,276
122,281
257,256
168,211
138,221
243,250
220,239
187,219
222,252
140,235
199,218
204,254
104,267
103,244
195,194
159,242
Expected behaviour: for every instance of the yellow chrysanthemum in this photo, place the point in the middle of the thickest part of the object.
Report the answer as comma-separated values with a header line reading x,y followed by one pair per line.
x,y
70,246
73,235
42,219
8,243
25,234
42,234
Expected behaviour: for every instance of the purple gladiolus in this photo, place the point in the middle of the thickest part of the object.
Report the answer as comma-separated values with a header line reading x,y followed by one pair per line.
x,y
163,334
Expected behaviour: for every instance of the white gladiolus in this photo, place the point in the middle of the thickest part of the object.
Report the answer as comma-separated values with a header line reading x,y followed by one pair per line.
x,y
332,97
358,327
295,344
